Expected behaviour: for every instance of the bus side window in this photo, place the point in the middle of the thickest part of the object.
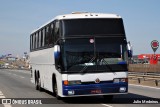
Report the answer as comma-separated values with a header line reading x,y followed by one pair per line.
x,y
34,41
44,32
47,36
39,36
52,34
31,42
41,41
37,39
43,35
56,31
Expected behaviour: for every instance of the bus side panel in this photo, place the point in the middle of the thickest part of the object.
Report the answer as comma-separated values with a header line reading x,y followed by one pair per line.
x,y
43,61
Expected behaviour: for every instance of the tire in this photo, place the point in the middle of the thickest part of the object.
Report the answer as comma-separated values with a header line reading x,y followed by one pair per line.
x,y
39,84
108,98
55,91
36,86
36,83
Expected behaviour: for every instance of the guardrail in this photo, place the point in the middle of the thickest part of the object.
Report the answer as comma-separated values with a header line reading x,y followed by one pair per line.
x,y
145,76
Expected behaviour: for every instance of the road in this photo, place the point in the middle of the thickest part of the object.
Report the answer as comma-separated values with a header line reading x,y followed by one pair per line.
x,y
17,84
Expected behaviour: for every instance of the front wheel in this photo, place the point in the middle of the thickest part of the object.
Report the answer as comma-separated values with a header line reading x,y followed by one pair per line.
x,y
55,91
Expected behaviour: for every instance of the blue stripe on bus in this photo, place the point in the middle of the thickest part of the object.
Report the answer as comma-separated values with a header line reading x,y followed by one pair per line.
x,y
56,54
122,62
91,88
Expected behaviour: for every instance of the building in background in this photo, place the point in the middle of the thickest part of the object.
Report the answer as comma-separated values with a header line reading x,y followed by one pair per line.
x,y
147,58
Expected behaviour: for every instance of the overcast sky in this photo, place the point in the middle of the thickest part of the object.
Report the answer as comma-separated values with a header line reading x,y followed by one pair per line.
x,y
19,17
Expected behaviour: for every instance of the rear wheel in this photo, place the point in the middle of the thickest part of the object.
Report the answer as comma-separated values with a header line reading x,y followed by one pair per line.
x,y
36,86
36,82
39,84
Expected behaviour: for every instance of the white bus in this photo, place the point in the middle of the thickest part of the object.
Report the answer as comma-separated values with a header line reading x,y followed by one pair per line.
x,y
80,54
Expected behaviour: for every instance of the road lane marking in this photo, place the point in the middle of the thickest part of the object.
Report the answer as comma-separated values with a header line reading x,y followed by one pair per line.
x,y
21,76
144,86
7,105
18,76
21,71
2,96
106,105
15,74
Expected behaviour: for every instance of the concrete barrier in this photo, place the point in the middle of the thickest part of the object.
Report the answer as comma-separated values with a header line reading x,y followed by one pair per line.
x,y
144,68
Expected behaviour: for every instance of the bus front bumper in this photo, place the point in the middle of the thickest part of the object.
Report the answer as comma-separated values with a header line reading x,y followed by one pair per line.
x,y
95,89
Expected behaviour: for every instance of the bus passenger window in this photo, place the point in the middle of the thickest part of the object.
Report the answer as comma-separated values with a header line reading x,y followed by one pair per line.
x,y
39,36
43,36
31,42
47,36
36,40
52,33
34,43
56,31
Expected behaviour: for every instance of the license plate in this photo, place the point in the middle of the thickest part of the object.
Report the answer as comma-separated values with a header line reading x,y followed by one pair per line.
x,y
98,91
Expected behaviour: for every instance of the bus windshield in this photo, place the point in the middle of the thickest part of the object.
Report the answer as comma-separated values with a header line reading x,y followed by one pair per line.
x,y
94,54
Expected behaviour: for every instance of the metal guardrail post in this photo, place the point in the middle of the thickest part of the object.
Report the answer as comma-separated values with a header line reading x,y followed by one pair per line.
x,y
139,80
156,82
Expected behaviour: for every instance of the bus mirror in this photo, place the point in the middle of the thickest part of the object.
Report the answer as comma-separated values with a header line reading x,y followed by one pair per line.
x,y
130,50
56,51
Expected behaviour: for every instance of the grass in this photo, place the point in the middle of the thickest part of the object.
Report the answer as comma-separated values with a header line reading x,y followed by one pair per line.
x,y
1,62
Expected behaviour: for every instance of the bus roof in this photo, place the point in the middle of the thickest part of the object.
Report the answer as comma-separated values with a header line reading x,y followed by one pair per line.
x,y
79,15
82,15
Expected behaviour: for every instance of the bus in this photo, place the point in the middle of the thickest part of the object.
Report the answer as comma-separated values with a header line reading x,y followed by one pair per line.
x,y
81,54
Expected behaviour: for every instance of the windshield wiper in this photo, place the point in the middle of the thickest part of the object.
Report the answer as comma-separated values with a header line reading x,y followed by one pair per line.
x,y
106,64
85,67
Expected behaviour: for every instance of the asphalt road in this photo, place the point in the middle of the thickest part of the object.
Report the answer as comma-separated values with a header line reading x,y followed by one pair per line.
x,y
17,84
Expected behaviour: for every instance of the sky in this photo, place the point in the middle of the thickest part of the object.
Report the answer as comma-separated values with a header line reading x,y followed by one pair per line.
x,y
18,18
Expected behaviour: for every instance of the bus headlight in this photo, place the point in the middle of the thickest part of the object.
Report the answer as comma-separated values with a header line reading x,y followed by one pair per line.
x,y
122,89
117,80
71,92
76,82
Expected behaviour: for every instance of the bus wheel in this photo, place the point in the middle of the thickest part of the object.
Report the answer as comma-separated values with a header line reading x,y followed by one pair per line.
x,y
55,91
108,98
39,84
36,84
